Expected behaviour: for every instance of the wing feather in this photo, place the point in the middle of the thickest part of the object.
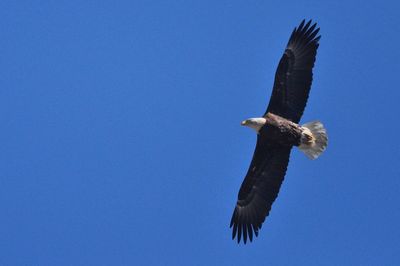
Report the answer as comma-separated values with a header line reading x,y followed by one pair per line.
x,y
259,189
294,75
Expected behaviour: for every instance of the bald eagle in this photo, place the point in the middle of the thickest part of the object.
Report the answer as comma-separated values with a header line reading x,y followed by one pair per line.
x,y
278,131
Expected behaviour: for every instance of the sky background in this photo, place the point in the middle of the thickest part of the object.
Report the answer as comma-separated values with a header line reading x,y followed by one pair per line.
x,y
121,141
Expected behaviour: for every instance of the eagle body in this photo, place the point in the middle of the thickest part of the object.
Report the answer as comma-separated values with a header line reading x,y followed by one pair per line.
x,y
281,131
278,131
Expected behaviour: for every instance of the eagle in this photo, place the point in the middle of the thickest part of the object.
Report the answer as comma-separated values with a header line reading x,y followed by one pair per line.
x,y
278,131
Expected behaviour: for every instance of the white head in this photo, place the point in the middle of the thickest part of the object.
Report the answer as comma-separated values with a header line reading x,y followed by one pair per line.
x,y
254,123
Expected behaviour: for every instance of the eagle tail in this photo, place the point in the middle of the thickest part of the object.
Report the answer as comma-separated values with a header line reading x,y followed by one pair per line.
x,y
314,139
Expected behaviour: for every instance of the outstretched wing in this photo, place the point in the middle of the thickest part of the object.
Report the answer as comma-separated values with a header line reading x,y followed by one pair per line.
x,y
259,188
294,75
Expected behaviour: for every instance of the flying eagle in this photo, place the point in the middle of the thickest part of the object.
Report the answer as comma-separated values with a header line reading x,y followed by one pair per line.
x,y
278,131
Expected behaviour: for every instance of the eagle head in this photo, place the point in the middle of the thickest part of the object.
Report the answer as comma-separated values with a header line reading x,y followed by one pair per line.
x,y
254,123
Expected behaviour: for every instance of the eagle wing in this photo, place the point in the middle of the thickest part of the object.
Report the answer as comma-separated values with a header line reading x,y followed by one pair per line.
x,y
294,75
259,188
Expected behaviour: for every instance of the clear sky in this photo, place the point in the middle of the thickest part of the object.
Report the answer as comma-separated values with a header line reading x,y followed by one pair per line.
x,y
121,141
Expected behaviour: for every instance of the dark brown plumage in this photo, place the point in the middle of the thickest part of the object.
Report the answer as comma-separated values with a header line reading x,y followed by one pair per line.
x,y
294,75
263,180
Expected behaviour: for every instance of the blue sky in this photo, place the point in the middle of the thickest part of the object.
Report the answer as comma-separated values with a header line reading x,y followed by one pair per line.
x,y
122,144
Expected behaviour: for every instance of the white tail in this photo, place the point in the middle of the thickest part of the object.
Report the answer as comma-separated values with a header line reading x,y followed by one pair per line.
x,y
313,139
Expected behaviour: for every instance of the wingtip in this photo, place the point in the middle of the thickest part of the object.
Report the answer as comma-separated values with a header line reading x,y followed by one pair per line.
x,y
304,26
239,233
234,230
244,232
307,25
250,232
